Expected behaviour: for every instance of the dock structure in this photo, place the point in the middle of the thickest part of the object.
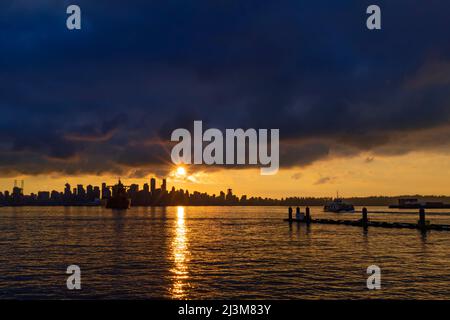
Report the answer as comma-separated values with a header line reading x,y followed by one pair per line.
x,y
364,222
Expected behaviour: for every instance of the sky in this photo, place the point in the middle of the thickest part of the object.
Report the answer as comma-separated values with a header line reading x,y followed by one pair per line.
x,y
360,112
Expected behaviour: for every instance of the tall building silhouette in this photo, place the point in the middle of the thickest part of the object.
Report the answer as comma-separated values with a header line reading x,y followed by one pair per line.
x,y
96,192
67,190
80,190
152,185
106,192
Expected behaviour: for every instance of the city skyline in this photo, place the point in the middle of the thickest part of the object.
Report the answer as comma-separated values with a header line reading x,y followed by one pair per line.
x,y
149,195
152,195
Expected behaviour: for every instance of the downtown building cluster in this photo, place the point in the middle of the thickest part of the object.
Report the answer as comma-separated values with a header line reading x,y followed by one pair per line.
x,y
149,195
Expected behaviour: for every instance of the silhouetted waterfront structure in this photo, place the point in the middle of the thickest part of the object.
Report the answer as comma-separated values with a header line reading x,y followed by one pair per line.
x,y
120,198
414,203
364,222
308,215
364,219
422,222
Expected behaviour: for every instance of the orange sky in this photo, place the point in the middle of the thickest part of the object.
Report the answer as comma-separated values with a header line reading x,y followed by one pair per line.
x,y
362,175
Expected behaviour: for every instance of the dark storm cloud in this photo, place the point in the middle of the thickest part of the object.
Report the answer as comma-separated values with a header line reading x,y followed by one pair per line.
x,y
106,98
97,131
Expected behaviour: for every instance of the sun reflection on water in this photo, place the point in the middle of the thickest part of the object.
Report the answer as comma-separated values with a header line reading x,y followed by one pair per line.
x,y
180,254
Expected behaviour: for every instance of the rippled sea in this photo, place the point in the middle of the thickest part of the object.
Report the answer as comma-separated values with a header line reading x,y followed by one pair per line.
x,y
216,253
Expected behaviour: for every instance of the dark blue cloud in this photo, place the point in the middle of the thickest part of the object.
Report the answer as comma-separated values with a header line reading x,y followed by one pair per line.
x,y
107,97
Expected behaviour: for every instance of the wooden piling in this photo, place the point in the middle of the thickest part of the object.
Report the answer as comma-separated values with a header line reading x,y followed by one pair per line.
x,y
364,220
422,223
308,216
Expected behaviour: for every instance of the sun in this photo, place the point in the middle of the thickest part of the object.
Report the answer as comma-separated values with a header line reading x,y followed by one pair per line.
x,y
181,172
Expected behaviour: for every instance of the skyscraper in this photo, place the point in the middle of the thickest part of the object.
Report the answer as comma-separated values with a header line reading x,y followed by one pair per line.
x,y
80,190
152,185
106,193
67,190
96,192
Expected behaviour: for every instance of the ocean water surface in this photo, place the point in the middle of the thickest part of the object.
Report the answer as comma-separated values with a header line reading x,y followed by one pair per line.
x,y
216,253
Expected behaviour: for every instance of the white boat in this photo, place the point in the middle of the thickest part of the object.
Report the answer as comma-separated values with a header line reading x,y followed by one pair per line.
x,y
338,205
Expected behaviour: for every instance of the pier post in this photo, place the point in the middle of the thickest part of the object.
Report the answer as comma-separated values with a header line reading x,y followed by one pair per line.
x,y
290,213
364,217
422,218
308,216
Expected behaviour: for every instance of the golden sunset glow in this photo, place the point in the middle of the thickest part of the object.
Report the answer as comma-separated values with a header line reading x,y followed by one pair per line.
x,y
179,256
181,172
362,175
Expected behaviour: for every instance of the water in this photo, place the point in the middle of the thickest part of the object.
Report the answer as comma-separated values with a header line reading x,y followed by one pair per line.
x,y
215,252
